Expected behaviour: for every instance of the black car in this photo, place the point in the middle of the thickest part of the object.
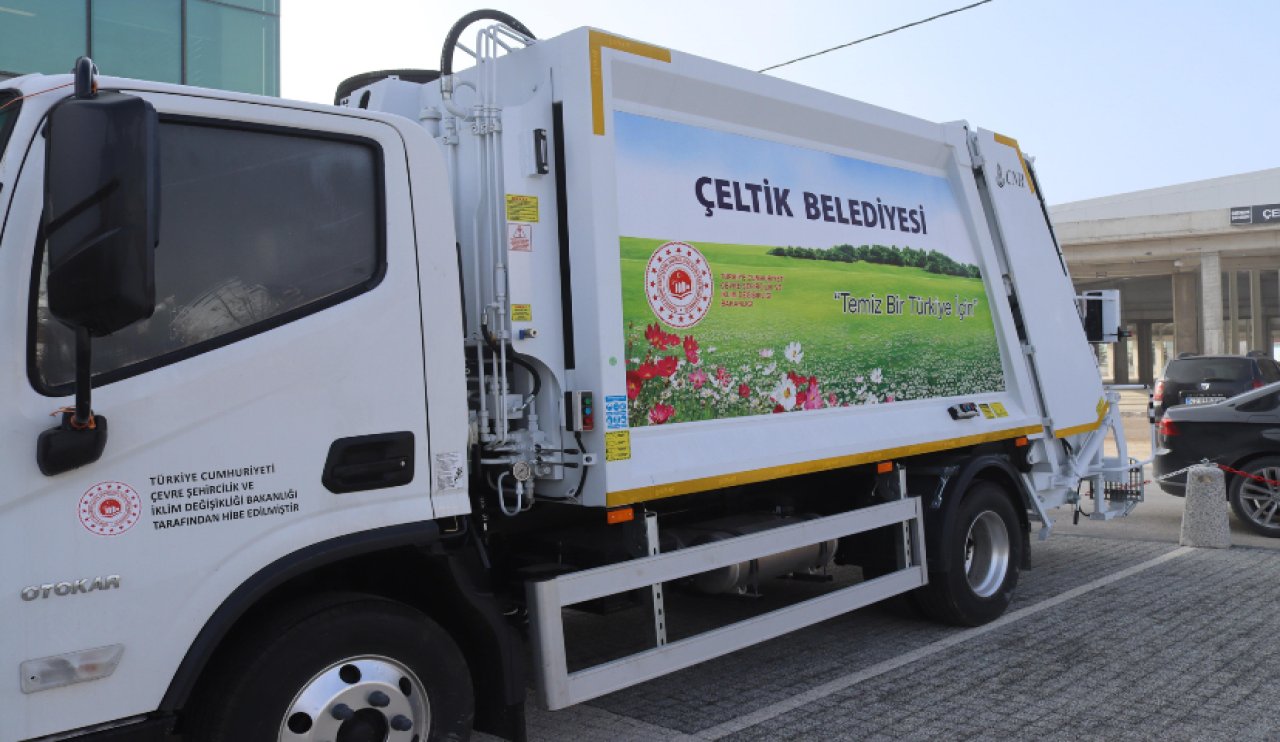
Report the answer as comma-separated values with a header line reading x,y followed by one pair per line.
x,y
1242,433
1192,379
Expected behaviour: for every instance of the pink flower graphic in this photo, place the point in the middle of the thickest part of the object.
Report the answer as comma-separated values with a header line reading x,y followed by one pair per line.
x,y
661,413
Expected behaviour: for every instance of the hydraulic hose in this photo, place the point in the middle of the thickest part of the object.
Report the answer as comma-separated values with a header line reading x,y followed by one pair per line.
x,y
455,33
515,358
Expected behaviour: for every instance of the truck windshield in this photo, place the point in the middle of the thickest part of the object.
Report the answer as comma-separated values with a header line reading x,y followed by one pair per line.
x,y
8,115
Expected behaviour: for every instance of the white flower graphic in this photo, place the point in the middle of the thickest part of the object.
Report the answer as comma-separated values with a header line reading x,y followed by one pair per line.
x,y
793,352
784,394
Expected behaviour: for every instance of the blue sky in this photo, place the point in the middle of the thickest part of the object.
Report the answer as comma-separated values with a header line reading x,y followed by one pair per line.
x,y
1109,96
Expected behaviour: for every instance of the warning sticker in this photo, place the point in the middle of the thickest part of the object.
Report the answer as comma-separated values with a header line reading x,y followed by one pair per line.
x,y
615,412
617,445
519,237
987,412
998,408
521,312
449,470
522,208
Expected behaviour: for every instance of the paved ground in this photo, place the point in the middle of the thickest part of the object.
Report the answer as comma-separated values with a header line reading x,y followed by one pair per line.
x,y
1115,633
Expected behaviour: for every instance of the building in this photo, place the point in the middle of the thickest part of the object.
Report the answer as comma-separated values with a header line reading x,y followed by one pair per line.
x,y
228,44
1196,264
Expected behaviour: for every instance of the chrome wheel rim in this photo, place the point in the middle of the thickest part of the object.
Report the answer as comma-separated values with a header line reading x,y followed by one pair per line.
x,y
360,699
1261,501
986,554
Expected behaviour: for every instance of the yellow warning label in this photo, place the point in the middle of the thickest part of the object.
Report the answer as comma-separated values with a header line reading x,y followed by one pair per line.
x,y
617,445
521,312
986,410
998,408
522,208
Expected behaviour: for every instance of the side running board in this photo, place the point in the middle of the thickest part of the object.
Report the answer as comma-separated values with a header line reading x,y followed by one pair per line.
x,y
558,688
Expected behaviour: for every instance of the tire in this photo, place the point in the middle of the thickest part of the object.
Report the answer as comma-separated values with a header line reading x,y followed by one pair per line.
x,y
985,544
359,665
1256,503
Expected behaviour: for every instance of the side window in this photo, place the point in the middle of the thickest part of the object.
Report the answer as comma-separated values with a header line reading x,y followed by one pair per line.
x,y
258,227
1270,371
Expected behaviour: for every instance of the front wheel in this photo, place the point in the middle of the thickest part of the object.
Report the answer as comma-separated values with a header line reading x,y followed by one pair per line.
x,y
1256,502
354,669
985,548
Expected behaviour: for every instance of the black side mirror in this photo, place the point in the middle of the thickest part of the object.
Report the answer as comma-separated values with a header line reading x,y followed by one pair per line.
x,y
101,211
101,225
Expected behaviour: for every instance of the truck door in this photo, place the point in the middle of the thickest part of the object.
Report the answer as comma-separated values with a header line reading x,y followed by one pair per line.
x,y
1064,364
273,402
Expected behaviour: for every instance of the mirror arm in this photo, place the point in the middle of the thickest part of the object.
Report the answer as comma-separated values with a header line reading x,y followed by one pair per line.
x,y
84,410
86,73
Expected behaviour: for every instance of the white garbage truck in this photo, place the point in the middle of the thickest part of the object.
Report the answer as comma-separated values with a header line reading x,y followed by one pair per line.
x,y
318,420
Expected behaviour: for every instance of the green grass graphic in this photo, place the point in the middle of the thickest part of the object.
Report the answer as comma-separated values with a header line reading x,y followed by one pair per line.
x,y
847,359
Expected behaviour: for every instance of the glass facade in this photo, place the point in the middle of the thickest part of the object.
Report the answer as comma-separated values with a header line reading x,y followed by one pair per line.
x,y
227,44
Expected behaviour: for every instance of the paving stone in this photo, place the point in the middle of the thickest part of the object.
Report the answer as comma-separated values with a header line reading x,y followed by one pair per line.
x,y
1184,650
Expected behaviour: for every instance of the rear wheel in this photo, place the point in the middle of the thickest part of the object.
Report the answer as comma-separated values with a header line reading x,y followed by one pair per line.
x,y
1256,502
354,669
985,549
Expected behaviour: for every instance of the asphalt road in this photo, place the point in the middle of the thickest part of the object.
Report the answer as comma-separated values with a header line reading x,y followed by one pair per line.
x,y
1116,633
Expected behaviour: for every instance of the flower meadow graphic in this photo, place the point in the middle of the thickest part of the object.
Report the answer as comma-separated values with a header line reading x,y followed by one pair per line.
x,y
786,355
760,278
859,286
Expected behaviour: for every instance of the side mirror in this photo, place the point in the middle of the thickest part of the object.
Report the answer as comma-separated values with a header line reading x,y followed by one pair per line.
x,y
101,211
101,226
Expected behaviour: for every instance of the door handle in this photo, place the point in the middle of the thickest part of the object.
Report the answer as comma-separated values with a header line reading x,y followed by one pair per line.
x,y
373,467
368,462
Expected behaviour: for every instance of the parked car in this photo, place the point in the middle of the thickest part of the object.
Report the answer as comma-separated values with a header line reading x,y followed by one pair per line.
x,y
1193,379
1242,433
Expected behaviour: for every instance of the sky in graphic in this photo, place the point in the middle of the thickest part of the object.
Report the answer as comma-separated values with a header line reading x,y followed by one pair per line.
x,y
660,163
1108,96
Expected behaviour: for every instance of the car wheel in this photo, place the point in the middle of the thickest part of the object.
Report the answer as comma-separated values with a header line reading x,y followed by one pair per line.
x,y
985,542
1257,504
345,668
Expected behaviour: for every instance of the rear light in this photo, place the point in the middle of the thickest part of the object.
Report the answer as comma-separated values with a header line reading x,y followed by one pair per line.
x,y
1257,384
1166,427
1158,394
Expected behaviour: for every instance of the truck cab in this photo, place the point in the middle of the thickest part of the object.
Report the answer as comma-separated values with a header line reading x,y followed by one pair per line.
x,y
301,251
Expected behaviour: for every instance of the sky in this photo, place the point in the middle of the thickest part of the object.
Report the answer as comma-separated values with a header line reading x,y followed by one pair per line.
x,y
1108,96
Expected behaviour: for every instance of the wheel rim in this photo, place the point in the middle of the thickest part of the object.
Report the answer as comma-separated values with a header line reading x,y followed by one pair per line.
x,y
1260,500
360,699
986,554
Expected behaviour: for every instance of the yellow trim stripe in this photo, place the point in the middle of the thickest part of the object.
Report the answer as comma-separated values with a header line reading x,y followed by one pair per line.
x,y
597,41
659,491
1011,142
1103,406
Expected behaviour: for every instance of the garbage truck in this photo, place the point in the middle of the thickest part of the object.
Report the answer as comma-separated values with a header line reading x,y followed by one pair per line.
x,y
320,420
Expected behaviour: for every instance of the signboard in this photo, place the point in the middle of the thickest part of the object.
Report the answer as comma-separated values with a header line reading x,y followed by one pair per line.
x,y
760,278
1247,215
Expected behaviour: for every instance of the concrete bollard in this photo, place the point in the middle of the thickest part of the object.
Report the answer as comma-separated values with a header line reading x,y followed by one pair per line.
x,y
1204,516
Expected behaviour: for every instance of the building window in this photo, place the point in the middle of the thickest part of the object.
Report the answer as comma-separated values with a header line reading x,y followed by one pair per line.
x,y
232,48
258,228
138,38
41,35
227,44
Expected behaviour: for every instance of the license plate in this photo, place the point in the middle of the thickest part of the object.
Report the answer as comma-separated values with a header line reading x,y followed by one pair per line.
x,y
1202,398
